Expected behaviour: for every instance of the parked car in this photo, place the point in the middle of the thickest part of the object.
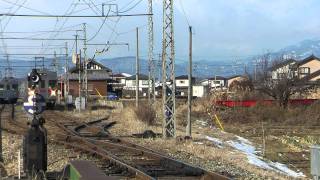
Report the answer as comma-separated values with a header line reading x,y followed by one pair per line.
x,y
112,96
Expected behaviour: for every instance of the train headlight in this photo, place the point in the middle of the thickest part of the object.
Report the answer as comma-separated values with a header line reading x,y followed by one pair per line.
x,y
34,76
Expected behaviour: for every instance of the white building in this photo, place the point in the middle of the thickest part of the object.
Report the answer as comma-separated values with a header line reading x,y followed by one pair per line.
x,y
214,82
199,91
183,81
282,69
130,82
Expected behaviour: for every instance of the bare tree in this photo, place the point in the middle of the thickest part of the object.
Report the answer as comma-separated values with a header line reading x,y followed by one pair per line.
x,y
278,81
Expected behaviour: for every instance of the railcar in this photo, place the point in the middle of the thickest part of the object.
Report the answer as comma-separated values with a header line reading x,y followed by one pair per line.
x,y
9,90
47,86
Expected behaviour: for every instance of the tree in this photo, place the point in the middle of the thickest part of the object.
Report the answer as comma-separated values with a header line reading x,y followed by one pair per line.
x,y
278,81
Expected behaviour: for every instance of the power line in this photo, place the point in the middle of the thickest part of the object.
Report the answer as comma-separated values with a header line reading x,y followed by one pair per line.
x,y
129,9
99,27
184,12
73,16
39,39
30,32
29,54
63,23
16,4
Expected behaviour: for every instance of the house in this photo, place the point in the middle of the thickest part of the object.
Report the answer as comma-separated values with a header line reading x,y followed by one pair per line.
x,y
98,75
214,82
200,90
121,77
238,78
130,85
283,69
182,83
306,67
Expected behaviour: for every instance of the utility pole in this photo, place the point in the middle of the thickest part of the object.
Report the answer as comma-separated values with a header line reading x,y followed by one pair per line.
x,y
188,130
137,68
78,63
151,88
85,62
168,72
66,82
54,63
1,157
8,70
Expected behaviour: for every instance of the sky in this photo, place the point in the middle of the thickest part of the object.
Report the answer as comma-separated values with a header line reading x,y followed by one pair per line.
x,y
222,30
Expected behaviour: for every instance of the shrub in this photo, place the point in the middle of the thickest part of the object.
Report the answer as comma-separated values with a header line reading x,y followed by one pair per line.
x,y
146,113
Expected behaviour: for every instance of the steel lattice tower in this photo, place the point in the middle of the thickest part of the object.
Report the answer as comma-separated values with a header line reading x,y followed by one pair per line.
x,y
151,64
168,71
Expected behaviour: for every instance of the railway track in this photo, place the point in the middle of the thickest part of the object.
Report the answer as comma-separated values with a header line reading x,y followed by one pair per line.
x,y
134,161
116,157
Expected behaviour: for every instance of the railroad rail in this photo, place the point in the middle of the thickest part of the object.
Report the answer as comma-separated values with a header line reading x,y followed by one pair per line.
x,y
117,158
134,160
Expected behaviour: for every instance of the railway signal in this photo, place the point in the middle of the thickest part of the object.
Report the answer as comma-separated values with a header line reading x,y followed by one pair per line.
x,y
35,140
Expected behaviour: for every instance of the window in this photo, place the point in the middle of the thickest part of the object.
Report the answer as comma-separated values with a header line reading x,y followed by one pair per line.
x,y
42,84
1,86
52,83
304,70
15,86
145,82
134,83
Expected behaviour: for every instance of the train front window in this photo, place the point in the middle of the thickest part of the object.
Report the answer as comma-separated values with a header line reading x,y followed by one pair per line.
x,y
1,86
15,86
42,84
8,87
52,83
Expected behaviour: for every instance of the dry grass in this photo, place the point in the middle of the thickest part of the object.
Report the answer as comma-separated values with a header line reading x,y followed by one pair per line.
x,y
128,123
146,114
215,158
273,114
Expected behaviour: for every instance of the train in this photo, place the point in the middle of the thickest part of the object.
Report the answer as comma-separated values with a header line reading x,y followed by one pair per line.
x,y
47,85
9,90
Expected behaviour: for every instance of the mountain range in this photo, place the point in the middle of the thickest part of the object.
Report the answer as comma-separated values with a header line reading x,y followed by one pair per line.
x,y
201,68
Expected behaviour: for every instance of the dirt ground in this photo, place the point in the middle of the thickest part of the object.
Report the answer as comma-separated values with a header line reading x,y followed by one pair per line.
x,y
200,151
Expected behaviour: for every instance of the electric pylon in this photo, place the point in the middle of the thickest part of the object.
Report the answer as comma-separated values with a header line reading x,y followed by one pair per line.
x,y
168,71
151,89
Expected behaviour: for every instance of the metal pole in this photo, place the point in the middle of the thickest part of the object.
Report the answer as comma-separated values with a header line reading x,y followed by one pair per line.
x,y
188,130
151,87
66,83
1,157
80,82
85,62
55,61
137,68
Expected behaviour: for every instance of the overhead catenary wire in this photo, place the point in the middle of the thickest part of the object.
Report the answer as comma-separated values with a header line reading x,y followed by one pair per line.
x,y
31,9
129,9
184,13
63,23
73,16
99,27
3,27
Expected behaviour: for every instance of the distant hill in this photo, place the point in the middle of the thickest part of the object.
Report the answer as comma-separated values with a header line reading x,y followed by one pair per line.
x,y
301,50
201,67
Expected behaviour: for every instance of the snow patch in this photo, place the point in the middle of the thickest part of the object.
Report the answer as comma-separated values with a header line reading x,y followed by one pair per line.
x,y
215,141
246,147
